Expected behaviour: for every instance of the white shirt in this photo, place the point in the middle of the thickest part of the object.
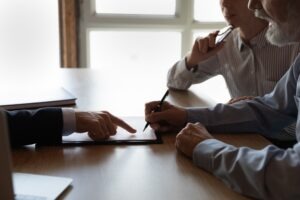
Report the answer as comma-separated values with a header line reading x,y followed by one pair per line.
x,y
248,70
69,121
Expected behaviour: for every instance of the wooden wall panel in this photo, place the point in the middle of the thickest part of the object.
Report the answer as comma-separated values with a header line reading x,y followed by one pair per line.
x,y
69,32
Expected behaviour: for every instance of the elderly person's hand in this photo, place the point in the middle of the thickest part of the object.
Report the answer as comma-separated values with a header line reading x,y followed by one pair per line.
x,y
169,118
99,125
237,99
190,136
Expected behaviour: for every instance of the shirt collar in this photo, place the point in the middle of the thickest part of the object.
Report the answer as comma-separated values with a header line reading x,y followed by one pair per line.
x,y
258,41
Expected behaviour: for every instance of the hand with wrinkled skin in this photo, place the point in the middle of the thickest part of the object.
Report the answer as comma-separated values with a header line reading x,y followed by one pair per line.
x,y
99,125
237,99
169,119
188,138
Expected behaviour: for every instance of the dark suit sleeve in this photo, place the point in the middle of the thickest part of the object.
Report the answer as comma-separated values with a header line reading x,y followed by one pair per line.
x,y
41,126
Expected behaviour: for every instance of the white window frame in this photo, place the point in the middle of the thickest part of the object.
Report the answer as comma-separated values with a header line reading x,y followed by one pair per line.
x,y
183,21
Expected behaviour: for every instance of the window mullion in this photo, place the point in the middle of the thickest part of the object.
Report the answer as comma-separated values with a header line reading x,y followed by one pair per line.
x,y
183,21
85,15
186,8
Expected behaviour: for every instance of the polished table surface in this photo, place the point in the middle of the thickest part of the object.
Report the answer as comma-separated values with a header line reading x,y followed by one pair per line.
x,y
132,172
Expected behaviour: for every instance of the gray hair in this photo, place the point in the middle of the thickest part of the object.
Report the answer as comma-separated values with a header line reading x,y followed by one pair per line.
x,y
286,32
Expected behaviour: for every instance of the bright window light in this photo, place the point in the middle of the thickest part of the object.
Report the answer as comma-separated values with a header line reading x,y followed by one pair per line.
x,y
208,11
202,33
146,7
29,35
147,53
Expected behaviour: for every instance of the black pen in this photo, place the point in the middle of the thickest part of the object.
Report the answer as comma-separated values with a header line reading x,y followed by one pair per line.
x,y
158,107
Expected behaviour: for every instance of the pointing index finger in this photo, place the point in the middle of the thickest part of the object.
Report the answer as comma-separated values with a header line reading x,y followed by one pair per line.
x,y
121,123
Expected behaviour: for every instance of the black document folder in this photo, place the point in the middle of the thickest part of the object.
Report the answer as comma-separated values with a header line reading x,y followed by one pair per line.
x,y
122,136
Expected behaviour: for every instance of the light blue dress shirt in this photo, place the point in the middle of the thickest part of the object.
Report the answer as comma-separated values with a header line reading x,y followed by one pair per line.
x,y
270,173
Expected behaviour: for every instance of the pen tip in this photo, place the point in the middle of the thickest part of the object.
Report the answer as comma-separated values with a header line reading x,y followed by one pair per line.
x,y
145,127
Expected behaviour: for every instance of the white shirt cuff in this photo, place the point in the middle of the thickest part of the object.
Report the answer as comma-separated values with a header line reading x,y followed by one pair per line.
x,y
69,121
182,70
182,67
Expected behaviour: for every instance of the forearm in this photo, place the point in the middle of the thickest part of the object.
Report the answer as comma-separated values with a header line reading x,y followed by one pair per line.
x,y
180,77
251,116
270,173
35,126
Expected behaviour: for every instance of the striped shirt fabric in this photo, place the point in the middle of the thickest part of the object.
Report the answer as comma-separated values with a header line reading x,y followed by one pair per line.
x,y
248,69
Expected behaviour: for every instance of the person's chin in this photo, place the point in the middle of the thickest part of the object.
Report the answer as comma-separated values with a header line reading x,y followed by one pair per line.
x,y
276,36
232,22
271,26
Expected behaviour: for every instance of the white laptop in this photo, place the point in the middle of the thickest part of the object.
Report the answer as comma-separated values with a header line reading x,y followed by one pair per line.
x,y
22,185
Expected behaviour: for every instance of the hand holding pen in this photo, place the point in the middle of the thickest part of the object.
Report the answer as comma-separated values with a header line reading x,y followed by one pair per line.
x,y
170,118
158,107
205,47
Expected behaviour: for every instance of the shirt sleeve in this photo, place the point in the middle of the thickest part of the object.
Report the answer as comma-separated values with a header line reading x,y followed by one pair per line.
x,y
179,77
41,126
69,121
267,115
270,173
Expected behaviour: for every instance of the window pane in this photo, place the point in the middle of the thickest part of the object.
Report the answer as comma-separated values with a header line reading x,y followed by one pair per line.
x,y
29,35
140,50
201,33
149,54
147,7
140,57
208,11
